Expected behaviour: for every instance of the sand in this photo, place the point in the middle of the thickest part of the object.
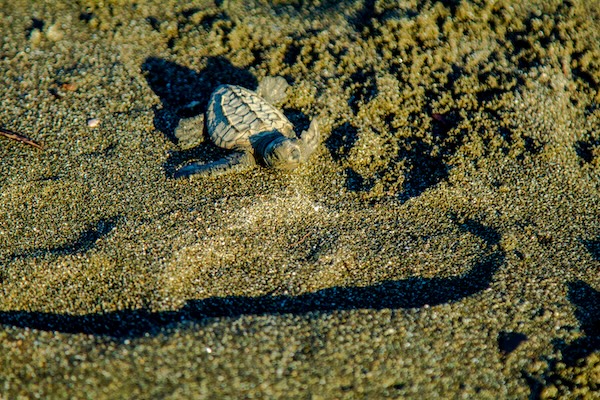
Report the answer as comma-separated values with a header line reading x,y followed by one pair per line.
x,y
442,242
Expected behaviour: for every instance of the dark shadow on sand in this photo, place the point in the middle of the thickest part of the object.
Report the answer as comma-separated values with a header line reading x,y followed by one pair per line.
x,y
86,241
593,247
411,292
586,300
587,311
426,158
184,93
405,293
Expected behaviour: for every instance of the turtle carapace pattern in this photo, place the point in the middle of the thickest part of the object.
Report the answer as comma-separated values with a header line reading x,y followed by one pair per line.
x,y
246,122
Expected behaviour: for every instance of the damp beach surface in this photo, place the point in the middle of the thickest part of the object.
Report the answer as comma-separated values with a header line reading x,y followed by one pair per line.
x,y
443,241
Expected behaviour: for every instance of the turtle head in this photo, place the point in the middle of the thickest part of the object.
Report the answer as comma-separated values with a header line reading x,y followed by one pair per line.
x,y
283,153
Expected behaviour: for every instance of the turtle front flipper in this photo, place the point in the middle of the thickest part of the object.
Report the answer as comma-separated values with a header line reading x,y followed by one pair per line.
x,y
235,162
309,139
273,89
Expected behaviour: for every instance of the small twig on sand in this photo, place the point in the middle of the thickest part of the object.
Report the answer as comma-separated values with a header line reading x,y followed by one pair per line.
x,y
301,240
19,138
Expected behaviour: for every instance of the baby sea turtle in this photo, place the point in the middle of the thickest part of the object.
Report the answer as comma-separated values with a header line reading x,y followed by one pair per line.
x,y
245,121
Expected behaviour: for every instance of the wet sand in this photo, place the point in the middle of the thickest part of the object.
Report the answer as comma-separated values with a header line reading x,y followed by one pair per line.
x,y
442,242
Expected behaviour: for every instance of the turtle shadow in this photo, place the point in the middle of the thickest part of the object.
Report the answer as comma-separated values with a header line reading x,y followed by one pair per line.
x,y
184,93
412,292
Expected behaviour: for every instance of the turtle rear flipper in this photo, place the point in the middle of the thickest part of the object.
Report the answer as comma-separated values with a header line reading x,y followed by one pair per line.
x,y
190,132
309,139
235,162
273,89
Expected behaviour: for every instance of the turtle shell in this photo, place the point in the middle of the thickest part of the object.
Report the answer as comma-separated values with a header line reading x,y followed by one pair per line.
x,y
234,114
